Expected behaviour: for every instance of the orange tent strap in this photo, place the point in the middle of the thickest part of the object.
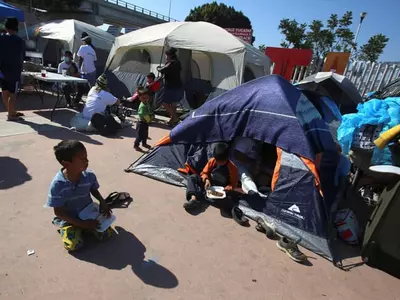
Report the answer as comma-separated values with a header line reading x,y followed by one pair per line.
x,y
183,170
277,168
164,141
187,169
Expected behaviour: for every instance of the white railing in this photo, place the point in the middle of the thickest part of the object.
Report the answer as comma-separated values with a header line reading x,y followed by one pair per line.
x,y
366,76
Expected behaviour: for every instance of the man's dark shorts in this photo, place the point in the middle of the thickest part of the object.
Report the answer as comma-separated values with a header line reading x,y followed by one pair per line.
x,y
11,86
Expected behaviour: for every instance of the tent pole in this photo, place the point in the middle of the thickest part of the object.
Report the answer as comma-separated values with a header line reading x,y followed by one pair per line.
x,y
109,65
162,53
26,31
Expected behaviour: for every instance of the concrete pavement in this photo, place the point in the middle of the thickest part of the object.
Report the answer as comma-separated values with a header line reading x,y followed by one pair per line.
x,y
161,252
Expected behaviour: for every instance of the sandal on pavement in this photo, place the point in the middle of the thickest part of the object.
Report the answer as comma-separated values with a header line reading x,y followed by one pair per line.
x,y
117,198
14,118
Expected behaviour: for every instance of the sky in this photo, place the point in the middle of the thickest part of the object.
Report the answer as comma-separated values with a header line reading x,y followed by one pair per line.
x,y
382,16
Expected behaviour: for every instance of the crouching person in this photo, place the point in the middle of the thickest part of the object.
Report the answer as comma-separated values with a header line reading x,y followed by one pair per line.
x,y
219,171
94,113
70,192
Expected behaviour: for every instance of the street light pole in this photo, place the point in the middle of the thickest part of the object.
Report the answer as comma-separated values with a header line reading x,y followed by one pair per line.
x,y
169,11
362,17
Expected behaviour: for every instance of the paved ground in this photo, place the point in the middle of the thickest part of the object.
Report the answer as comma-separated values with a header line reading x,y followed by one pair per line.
x,y
161,252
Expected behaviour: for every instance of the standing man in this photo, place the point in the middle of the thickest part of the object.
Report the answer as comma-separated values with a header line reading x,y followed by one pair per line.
x,y
12,54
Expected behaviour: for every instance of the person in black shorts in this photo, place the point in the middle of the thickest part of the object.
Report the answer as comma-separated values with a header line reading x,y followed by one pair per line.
x,y
12,54
173,91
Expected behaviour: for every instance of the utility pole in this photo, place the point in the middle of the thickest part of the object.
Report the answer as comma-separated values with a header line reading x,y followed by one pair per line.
x,y
362,17
169,11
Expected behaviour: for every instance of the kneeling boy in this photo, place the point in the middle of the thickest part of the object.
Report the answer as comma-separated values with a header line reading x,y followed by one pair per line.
x,y
70,192
219,171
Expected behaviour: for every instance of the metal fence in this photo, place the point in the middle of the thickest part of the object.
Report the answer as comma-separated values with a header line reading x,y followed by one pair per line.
x,y
141,10
366,76
40,4
369,77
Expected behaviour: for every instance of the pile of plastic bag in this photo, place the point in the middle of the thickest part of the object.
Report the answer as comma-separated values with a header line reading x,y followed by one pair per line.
x,y
374,112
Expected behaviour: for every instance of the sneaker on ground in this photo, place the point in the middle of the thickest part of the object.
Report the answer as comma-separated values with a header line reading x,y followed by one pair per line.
x,y
291,250
239,217
265,227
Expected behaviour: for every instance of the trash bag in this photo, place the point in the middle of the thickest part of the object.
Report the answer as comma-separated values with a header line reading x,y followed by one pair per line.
x,y
385,113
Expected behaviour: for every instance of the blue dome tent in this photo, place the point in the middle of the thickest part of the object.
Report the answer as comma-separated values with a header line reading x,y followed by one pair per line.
x,y
271,110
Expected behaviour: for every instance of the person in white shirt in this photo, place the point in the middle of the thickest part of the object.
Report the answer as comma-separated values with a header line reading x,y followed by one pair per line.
x,y
87,57
95,108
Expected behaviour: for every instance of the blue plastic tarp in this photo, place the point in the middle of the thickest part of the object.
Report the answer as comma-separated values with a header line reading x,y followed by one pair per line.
x,y
7,10
374,112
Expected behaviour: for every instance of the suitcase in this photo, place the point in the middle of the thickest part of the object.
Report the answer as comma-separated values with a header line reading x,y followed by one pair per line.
x,y
381,242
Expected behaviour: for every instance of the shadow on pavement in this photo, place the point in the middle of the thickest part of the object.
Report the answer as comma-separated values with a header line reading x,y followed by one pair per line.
x,y
59,133
31,101
16,174
61,116
125,249
127,132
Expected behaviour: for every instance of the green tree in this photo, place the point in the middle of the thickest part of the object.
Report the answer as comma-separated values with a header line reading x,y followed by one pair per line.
x,y
342,35
262,48
319,39
220,15
335,35
373,48
295,34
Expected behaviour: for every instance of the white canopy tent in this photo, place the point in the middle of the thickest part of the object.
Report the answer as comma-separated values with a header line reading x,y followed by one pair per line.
x,y
216,55
68,35
70,32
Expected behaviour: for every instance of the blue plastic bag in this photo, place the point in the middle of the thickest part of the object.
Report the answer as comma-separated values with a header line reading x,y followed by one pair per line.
x,y
373,112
